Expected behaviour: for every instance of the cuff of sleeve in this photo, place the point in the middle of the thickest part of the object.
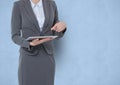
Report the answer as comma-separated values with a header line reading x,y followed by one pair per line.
x,y
60,34
64,30
27,45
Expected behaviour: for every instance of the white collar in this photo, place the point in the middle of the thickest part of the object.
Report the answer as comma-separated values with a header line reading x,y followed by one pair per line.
x,y
33,4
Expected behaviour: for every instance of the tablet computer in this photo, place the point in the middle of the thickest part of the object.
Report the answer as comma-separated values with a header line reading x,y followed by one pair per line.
x,y
40,37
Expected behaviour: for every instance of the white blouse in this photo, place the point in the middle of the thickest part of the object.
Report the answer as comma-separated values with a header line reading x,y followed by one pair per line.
x,y
39,12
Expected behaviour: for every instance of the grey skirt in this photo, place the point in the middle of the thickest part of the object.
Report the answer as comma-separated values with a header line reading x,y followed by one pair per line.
x,y
36,69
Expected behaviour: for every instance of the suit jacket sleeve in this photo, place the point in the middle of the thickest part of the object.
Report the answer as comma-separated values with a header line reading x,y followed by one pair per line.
x,y
16,27
59,34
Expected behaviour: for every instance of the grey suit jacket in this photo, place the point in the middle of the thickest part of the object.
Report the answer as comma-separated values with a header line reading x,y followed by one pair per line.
x,y
24,24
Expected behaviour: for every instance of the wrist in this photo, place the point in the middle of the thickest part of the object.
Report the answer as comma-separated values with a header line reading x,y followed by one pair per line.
x,y
31,44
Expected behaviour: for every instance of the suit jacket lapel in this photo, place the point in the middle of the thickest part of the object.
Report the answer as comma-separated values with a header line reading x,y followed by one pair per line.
x,y
31,14
47,14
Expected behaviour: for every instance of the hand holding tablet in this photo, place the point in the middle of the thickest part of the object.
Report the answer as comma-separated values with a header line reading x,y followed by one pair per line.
x,y
36,40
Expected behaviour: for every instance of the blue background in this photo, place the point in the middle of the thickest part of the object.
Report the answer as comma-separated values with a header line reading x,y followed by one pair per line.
x,y
88,54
